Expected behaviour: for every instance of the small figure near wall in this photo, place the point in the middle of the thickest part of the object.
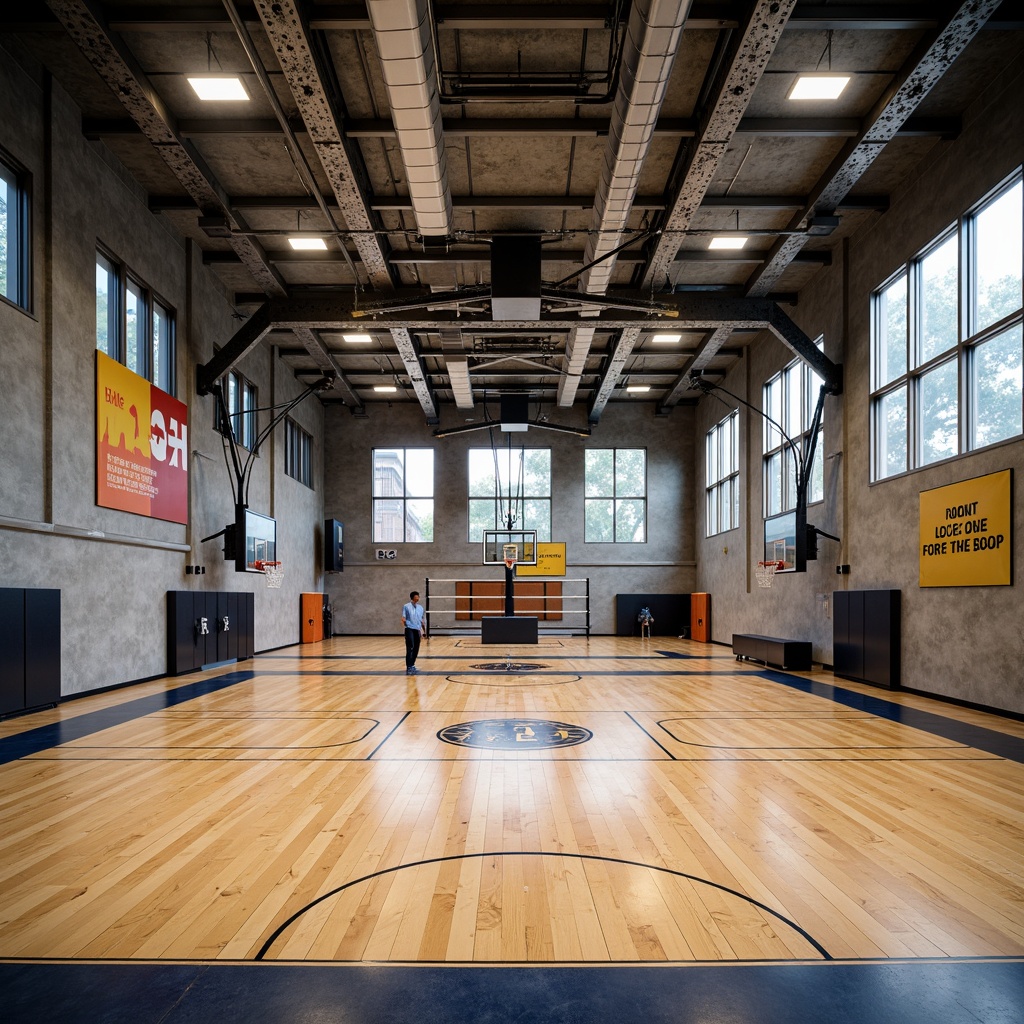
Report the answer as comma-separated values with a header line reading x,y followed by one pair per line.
x,y
645,618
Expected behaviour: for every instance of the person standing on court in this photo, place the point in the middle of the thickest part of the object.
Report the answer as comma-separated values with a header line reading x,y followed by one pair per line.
x,y
412,620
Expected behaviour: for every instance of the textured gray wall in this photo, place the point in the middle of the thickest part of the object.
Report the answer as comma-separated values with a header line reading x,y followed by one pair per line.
x,y
114,568
368,596
966,643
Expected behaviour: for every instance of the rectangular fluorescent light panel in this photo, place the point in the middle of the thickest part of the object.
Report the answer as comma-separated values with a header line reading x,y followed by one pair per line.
x,y
218,87
728,242
638,388
307,243
666,339
384,389
818,87
357,339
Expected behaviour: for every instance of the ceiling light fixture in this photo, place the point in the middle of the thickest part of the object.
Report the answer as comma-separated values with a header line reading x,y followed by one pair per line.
x,y
218,87
307,243
638,388
728,242
357,339
384,389
666,339
824,86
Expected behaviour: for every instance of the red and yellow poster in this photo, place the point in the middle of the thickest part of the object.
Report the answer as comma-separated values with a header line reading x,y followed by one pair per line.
x,y
141,445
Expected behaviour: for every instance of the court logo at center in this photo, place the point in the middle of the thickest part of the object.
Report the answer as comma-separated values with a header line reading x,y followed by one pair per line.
x,y
514,734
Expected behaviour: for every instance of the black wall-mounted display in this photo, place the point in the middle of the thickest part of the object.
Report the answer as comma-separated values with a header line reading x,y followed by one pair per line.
x,y
204,628
866,636
29,648
334,546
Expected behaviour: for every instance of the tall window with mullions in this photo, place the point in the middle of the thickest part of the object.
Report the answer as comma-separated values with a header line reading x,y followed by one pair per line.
x,y
15,236
506,481
403,495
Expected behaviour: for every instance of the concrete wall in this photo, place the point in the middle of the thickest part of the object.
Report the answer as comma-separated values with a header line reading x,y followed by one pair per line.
x,y
965,643
368,596
114,568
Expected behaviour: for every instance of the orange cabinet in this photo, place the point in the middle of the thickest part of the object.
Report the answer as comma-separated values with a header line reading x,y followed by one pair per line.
x,y
700,617
312,617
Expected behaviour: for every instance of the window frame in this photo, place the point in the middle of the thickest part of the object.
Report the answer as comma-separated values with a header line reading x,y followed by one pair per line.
x,y
298,452
907,389
18,233
536,500
781,451
405,499
726,481
615,497
241,399
120,280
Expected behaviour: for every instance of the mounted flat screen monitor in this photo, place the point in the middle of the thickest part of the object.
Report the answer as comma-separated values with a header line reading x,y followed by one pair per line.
x,y
334,546
255,539
780,541
524,540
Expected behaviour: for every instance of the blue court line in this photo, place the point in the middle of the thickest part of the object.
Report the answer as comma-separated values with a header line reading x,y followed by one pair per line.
x,y
46,736
1009,747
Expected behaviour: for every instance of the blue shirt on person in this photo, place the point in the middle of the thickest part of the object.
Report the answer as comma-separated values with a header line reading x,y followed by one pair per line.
x,y
412,615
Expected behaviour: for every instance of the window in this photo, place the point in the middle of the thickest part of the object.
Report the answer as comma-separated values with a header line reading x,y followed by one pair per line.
x,y
506,481
615,496
240,397
132,325
298,453
403,495
789,401
15,237
946,351
722,476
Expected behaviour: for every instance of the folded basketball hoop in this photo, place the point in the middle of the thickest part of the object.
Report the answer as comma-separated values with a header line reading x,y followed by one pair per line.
x,y
765,572
274,571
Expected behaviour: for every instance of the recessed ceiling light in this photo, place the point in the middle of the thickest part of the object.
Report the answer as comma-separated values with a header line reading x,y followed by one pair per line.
x,y
384,389
818,87
218,87
728,242
666,339
357,339
307,243
638,388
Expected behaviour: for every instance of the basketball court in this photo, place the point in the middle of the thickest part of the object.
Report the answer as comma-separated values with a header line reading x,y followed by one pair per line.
x,y
603,804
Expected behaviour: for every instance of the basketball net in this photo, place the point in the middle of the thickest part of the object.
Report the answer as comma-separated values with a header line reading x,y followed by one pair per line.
x,y
765,573
510,552
274,571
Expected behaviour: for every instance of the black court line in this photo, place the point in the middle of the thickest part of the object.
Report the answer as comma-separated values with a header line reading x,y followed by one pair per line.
x,y
12,748
285,925
976,736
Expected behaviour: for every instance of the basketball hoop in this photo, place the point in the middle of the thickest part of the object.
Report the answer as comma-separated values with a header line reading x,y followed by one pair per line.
x,y
510,552
274,571
765,573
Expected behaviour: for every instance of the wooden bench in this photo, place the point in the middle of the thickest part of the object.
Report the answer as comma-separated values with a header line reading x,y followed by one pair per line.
x,y
785,654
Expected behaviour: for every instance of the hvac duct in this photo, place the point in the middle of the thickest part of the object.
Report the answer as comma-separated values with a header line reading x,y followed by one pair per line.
x,y
402,31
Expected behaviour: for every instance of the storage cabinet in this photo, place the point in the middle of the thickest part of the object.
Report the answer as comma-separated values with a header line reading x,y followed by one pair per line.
x,y
866,636
204,628
29,648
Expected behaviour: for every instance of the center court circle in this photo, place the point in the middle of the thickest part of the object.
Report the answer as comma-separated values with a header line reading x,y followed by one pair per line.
x,y
515,734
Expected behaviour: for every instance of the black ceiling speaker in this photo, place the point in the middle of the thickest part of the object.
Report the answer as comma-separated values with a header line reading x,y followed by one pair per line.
x,y
515,413
515,278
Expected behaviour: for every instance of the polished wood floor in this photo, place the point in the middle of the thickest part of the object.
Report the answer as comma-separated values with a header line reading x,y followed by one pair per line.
x,y
626,801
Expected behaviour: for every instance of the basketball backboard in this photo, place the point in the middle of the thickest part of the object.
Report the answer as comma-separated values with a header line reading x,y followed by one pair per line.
x,y
524,540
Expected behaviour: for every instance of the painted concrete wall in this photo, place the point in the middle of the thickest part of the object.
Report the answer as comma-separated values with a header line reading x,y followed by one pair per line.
x,y
965,643
114,568
367,597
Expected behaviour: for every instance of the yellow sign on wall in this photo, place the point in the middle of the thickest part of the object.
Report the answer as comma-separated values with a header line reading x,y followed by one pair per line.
x,y
550,561
966,533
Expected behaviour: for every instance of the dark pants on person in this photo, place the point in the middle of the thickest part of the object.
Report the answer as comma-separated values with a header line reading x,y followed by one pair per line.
x,y
412,646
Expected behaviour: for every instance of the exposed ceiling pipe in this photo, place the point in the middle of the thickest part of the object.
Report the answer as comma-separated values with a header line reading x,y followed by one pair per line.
x,y
402,32
652,41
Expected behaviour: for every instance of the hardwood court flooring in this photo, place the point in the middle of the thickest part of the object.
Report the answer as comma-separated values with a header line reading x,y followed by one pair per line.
x,y
303,807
